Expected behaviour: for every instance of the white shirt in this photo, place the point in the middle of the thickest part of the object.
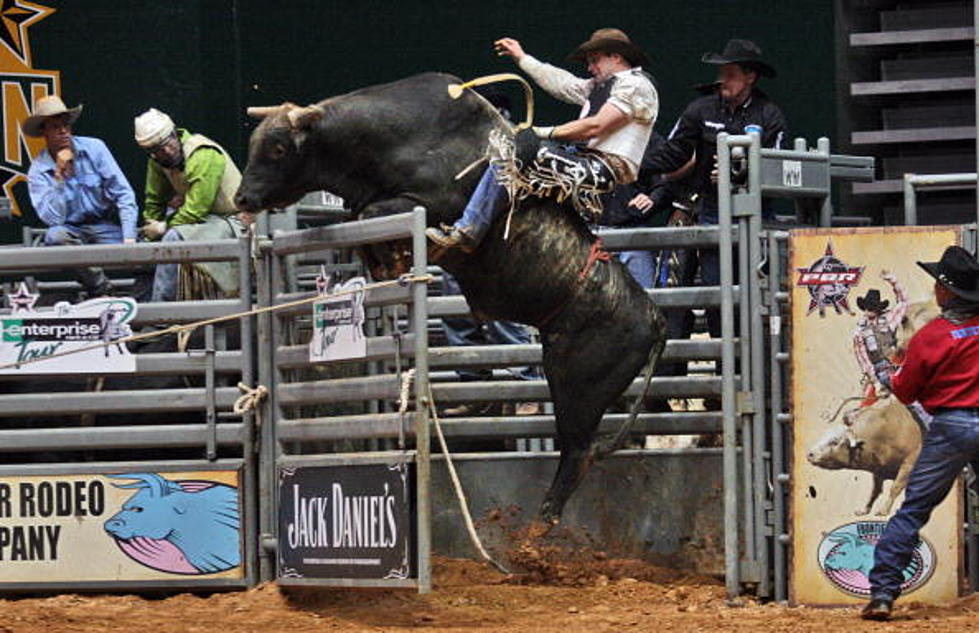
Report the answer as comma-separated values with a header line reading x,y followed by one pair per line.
x,y
632,93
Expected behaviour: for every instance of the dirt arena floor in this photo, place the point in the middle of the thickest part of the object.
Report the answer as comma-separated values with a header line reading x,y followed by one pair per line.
x,y
579,591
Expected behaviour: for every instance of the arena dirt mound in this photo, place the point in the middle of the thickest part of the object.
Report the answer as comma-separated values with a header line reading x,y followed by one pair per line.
x,y
563,555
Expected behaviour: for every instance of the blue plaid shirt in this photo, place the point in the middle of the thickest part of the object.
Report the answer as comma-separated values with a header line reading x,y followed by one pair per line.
x,y
96,192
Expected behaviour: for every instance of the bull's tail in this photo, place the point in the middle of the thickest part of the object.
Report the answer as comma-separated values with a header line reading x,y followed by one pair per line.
x,y
606,447
456,90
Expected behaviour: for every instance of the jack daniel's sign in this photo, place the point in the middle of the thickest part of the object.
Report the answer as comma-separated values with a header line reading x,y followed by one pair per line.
x,y
346,522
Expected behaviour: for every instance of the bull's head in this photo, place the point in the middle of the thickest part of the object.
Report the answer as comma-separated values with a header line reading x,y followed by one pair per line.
x,y
281,168
146,512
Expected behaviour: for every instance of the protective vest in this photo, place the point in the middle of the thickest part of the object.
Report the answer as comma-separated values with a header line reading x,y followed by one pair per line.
x,y
224,202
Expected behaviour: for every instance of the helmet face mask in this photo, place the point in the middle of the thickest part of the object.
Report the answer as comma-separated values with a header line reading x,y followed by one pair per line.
x,y
167,152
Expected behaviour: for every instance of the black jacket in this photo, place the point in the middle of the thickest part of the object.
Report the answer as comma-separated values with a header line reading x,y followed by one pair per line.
x,y
697,130
617,211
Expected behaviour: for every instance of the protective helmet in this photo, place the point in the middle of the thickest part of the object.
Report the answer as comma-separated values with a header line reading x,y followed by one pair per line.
x,y
152,127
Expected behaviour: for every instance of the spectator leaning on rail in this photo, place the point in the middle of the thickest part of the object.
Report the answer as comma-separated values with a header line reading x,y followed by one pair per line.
x,y
941,371
734,103
619,107
77,188
190,186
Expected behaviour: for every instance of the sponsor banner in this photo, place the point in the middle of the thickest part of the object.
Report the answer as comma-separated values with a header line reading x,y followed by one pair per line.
x,y
140,526
71,339
857,297
338,322
347,522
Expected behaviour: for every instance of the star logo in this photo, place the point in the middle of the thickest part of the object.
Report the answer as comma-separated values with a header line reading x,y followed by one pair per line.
x,y
22,300
828,281
15,17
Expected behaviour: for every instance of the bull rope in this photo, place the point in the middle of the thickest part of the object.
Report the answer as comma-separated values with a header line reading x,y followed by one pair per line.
x,y
456,90
180,329
406,379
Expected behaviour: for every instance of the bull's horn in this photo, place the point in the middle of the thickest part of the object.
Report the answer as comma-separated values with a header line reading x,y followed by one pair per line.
x,y
304,117
260,112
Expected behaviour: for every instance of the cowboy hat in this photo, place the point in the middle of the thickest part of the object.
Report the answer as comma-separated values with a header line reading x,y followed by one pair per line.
x,y
871,301
46,107
610,41
743,52
957,270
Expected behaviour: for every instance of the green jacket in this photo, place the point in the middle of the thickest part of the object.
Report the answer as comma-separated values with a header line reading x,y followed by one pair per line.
x,y
208,182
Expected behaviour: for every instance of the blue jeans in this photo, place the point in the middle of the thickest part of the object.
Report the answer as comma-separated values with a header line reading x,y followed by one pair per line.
x,y
93,279
165,278
486,202
952,441
83,234
466,331
642,266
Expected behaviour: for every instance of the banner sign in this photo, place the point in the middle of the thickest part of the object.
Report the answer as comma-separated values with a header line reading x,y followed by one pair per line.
x,y
71,339
338,321
346,522
140,526
857,297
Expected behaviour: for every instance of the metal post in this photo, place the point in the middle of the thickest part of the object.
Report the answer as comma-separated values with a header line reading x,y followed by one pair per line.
x,y
249,475
775,397
826,210
419,296
910,202
732,573
267,447
744,366
211,415
756,358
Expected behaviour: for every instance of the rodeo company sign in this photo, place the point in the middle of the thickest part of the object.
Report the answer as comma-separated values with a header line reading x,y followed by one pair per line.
x,y
338,321
71,339
349,522
132,527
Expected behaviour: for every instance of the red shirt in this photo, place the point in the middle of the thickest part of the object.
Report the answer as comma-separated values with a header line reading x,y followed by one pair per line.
x,y
941,369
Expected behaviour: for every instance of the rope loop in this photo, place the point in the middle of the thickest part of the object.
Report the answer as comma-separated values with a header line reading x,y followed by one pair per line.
x,y
251,398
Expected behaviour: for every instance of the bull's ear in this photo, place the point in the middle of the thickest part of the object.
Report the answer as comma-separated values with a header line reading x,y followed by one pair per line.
x,y
301,118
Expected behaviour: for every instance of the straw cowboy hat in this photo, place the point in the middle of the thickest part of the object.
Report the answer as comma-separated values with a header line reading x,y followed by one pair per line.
x,y
871,301
610,41
48,107
957,270
743,52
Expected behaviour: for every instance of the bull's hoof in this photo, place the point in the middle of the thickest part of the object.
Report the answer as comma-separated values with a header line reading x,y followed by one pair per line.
x,y
541,528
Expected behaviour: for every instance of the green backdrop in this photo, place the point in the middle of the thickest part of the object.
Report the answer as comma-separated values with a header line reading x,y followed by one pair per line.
x,y
204,61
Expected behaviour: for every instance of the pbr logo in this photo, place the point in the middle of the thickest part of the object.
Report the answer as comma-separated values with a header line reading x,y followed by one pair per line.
x,y
828,281
846,556
22,87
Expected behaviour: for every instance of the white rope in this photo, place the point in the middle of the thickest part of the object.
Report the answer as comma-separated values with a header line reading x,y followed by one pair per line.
x,y
402,280
460,494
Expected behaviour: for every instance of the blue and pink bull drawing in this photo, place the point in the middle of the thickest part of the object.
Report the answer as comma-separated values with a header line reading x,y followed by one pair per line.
x,y
180,527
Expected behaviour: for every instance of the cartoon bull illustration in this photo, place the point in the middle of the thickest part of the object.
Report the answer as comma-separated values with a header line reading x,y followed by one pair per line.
x,y
203,524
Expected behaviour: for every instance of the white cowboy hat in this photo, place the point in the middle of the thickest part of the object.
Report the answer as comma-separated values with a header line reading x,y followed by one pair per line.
x,y
46,107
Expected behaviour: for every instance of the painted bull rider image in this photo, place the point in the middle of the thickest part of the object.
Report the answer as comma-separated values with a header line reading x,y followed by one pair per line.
x,y
389,148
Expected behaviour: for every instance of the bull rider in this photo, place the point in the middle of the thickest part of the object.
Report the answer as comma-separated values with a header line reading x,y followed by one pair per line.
x,y
619,105
875,339
941,371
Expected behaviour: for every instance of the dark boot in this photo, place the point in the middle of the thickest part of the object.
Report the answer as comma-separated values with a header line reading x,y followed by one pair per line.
x,y
450,237
878,609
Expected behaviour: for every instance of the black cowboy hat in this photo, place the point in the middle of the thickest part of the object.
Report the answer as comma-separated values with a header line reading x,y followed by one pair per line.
x,y
610,41
871,301
957,270
743,52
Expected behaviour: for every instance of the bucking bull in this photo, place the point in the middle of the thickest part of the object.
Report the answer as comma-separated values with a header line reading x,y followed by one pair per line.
x,y
388,148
